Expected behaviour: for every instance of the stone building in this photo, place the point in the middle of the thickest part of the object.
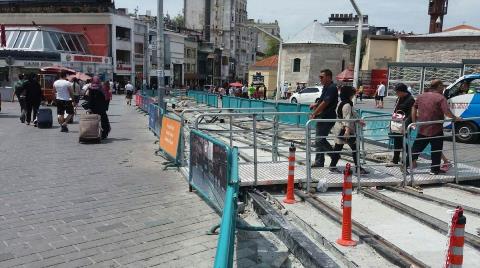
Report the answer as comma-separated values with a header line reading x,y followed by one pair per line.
x,y
262,39
311,50
450,46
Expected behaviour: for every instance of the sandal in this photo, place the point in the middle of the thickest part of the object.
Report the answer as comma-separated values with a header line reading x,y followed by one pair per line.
x,y
445,166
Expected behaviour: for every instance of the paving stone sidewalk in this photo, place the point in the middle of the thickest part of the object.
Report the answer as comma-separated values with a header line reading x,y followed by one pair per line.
x,y
66,204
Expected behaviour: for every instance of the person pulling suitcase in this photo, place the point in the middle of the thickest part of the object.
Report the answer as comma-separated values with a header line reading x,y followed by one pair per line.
x,y
96,104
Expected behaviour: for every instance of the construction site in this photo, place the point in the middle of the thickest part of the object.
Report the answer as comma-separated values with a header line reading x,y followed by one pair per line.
x,y
291,215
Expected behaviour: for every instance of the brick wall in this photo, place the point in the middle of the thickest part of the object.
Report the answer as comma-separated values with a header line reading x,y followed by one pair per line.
x,y
441,51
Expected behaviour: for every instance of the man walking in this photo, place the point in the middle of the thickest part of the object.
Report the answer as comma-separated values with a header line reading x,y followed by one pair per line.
x,y
64,96
380,94
129,92
20,93
431,106
324,109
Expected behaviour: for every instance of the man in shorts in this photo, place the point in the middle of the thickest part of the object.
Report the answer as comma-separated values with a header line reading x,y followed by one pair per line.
x,y
129,92
64,96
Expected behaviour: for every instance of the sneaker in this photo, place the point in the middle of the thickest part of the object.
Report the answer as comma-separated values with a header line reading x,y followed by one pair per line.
x,y
440,172
445,167
28,123
335,170
64,129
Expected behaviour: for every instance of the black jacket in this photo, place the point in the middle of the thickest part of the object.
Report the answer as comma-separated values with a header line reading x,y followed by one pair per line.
x,y
96,101
405,105
33,92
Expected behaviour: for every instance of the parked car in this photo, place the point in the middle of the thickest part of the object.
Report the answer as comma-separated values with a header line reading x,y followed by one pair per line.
x,y
307,95
464,101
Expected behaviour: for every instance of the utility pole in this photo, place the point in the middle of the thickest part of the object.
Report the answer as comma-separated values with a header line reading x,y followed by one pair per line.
x,y
160,58
358,51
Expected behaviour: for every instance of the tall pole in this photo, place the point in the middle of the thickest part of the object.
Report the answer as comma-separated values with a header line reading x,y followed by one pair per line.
x,y
160,57
356,72
279,80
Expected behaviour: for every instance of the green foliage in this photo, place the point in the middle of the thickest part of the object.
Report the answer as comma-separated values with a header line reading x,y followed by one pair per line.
x,y
272,47
179,21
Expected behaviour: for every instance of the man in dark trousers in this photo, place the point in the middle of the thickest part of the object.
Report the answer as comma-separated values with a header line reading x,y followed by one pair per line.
x,y
20,93
33,98
324,108
431,106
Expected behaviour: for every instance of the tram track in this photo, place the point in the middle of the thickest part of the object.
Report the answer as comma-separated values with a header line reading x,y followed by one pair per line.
x,y
385,248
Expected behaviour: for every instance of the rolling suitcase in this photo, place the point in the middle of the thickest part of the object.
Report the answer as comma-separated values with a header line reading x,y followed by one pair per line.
x,y
90,128
44,118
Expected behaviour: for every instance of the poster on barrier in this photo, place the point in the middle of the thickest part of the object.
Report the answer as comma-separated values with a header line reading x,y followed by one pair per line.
x,y
170,136
209,167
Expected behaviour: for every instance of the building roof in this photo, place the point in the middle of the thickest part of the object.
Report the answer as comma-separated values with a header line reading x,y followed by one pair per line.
x,y
315,33
462,27
267,62
457,31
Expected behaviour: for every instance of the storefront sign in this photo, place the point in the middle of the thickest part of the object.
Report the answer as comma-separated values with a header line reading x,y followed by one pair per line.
x,y
85,58
37,64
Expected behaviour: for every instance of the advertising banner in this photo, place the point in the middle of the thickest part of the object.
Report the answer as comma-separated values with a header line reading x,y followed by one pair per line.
x,y
170,136
209,167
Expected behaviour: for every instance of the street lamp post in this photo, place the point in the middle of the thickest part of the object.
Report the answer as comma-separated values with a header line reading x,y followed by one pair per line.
x,y
356,72
221,66
160,57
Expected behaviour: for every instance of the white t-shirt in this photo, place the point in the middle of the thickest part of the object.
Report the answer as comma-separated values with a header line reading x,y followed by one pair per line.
x,y
381,90
62,88
129,87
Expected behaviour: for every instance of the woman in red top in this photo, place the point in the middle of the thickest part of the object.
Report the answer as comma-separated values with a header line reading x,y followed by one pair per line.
x,y
107,91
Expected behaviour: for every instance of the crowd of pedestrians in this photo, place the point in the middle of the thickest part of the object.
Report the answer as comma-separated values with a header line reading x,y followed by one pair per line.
x,y
68,95
336,107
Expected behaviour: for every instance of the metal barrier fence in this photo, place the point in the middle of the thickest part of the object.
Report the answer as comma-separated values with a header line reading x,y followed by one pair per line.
x,y
204,97
358,150
445,148
248,129
213,173
154,116
187,128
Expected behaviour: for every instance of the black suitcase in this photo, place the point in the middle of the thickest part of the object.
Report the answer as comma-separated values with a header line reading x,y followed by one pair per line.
x,y
44,118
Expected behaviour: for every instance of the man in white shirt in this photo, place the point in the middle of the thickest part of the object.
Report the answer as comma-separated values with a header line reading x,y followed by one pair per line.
x,y
129,92
64,96
380,95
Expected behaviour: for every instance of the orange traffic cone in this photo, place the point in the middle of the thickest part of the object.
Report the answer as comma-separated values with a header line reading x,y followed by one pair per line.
x,y
457,240
346,239
290,198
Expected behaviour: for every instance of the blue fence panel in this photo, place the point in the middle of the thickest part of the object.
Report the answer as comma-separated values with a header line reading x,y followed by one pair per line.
x,y
225,102
234,102
212,100
244,103
304,108
379,130
288,119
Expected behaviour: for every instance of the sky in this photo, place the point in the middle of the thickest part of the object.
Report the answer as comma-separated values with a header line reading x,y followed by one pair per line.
x,y
293,16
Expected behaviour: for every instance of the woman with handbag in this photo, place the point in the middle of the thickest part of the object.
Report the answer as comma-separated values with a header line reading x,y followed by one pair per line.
x,y
403,112
345,131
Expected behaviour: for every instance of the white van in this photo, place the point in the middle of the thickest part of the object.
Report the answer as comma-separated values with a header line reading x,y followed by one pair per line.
x,y
464,101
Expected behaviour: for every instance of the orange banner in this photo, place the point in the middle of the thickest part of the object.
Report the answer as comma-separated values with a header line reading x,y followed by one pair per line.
x,y
170,136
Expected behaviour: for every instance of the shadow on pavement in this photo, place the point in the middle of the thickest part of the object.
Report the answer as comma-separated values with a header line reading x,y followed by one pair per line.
x,y
9,116
111,140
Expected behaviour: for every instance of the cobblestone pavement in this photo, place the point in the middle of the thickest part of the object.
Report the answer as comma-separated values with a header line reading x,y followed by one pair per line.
x,y
66,204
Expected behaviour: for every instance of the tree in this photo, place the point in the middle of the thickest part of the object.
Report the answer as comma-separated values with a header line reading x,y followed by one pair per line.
x,y
272,47
179,21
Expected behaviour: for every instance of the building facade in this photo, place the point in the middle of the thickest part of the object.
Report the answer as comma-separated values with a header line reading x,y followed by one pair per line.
x,y
263,39
310,51
230,47
109,33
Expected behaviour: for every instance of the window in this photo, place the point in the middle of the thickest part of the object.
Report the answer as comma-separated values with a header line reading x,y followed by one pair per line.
x,y
296,65
19,39
310,90
70,42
